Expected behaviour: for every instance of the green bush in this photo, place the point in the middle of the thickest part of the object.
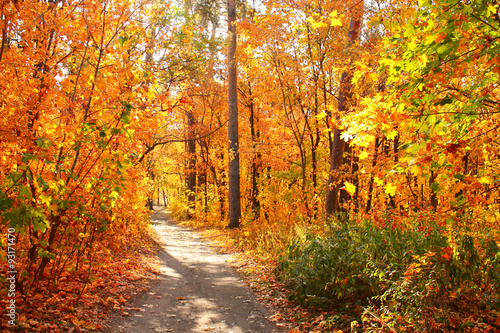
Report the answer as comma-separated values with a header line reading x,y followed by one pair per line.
x,y
391,272
352,259
436,288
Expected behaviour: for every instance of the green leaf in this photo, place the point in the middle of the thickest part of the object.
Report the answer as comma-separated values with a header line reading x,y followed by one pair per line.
x,y
434,187
122,40
17,217
43,143
444,49
45,254
42,183
445,101
104,226
27,157
116,131
24,192
5,202
125,117
40,223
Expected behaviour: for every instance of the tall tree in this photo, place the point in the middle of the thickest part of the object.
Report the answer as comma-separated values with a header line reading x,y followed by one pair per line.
x,y
191,165
232,129
334,198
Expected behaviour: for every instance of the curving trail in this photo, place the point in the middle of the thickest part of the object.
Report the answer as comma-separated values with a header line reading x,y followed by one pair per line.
x,y
197,290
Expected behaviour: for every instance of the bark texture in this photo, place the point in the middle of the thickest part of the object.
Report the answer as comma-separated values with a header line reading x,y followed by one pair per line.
x,y
234,206
334,196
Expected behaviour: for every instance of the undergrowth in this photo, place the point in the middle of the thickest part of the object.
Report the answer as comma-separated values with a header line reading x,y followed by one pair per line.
x,y
412,277
76,300
388,275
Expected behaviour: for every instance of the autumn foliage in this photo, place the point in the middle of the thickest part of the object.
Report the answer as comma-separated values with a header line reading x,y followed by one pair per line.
x,y
407,104
74,104
363,126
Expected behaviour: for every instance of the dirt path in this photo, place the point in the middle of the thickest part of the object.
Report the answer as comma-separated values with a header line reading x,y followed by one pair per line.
x,y
197,290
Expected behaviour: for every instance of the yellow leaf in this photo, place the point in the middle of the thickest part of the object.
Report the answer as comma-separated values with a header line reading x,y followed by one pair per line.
x,y
363,155
335,22
374,21
350,188
317,25
391,189
321,115
422,60
415,169
392,135
484,180
492,9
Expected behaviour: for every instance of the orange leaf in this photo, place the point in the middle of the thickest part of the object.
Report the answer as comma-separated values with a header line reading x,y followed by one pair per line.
x,y
276,317
497,322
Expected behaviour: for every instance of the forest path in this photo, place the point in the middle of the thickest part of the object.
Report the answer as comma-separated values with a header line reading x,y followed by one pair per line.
x,y
196,291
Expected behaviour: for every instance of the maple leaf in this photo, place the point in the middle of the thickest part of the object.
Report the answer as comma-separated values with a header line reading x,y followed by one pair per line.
x,y
321,115
350,188
334,21
484,180
363,155
391,189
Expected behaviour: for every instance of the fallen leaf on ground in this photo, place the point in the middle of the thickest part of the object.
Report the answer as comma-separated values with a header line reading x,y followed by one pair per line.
x,y
276,317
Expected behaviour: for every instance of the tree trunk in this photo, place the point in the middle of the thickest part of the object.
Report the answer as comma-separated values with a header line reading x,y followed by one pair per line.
x,y
191,172
372,177
434,198
234,207
392,202
335,199
203,173
221,184
255,167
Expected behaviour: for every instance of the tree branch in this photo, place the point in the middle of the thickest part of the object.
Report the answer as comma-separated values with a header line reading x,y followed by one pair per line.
x,y
161,143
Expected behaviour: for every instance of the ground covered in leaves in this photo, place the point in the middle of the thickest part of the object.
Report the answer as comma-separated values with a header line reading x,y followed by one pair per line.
x,y
78,302
127,270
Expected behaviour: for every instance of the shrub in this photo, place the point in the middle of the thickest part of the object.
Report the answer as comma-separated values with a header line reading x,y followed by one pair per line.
x,y
352,259
394,273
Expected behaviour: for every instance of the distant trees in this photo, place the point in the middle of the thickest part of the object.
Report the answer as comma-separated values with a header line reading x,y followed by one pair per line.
x,y
325,104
